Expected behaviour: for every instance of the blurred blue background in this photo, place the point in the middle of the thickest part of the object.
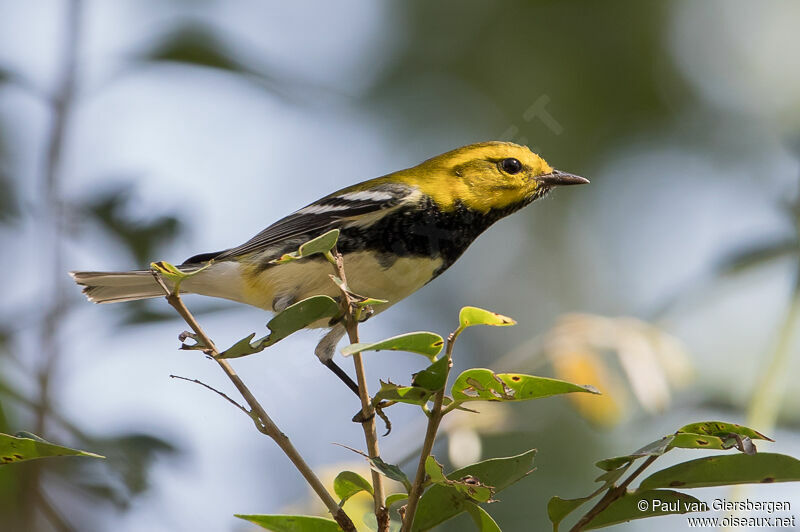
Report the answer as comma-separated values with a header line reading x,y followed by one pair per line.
x,y
138,131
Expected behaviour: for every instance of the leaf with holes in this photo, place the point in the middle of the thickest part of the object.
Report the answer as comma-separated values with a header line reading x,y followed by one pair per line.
x,y
423,343
292,319
468,485
470,316
321,244
26,446
726,470
717,435
485,385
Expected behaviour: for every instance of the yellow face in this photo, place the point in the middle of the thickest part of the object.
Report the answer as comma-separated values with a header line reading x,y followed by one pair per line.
x,y
489,175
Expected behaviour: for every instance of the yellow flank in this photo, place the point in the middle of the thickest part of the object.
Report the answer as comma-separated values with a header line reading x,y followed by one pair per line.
x,y
305,278
471,175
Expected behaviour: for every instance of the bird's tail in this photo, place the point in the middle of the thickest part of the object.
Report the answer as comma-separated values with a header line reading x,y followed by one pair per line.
x,y
114,287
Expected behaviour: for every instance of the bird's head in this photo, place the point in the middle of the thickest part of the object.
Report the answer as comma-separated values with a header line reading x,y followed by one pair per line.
x,y
489,175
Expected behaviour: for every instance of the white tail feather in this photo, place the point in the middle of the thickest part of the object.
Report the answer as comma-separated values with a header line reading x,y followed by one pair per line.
x,y
219,280
114,287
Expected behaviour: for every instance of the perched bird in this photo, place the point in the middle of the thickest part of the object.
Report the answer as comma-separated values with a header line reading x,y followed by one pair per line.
x,y
397,233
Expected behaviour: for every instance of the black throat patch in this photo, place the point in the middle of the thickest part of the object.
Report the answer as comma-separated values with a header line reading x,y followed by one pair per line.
x,y
423,231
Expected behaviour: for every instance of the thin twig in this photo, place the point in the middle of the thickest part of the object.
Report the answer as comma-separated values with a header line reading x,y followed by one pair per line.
x,y
611,495
434,419
222,394
367,411
267,426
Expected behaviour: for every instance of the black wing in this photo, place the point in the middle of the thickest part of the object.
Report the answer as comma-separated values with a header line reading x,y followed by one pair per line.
x,y
318,217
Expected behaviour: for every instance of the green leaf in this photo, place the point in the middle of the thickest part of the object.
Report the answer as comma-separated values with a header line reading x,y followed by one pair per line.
x,y
292,523
558,508
347,483
26,446
762,468
468,486
172,273
721,428
729,434
402,394
651,503
470,316
483,521
394,498
434,376
292,319
321,244
424,343
390,471
440,503
485,385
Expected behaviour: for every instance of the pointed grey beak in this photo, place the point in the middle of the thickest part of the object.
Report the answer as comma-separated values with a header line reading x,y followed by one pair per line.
x,y
559,178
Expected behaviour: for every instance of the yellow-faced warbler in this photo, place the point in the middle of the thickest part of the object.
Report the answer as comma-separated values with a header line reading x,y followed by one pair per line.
x,y
397,233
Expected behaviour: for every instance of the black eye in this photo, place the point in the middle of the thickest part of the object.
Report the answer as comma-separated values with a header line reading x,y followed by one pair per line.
x,y
511,165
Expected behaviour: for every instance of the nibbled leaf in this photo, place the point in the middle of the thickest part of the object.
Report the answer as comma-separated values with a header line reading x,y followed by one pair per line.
x,y
656,502
485,385
290,320
721,429
292,523
470,316
468,485
423,343
483,521
348,483
402,394
433,377
726,470
321,244
440,503
26,446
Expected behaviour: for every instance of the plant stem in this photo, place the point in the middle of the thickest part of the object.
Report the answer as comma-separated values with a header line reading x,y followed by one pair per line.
x,y
611,495
264,422
367,411
434,419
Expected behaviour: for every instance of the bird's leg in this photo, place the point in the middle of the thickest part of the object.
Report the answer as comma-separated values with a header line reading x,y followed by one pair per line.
x,y
325,350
